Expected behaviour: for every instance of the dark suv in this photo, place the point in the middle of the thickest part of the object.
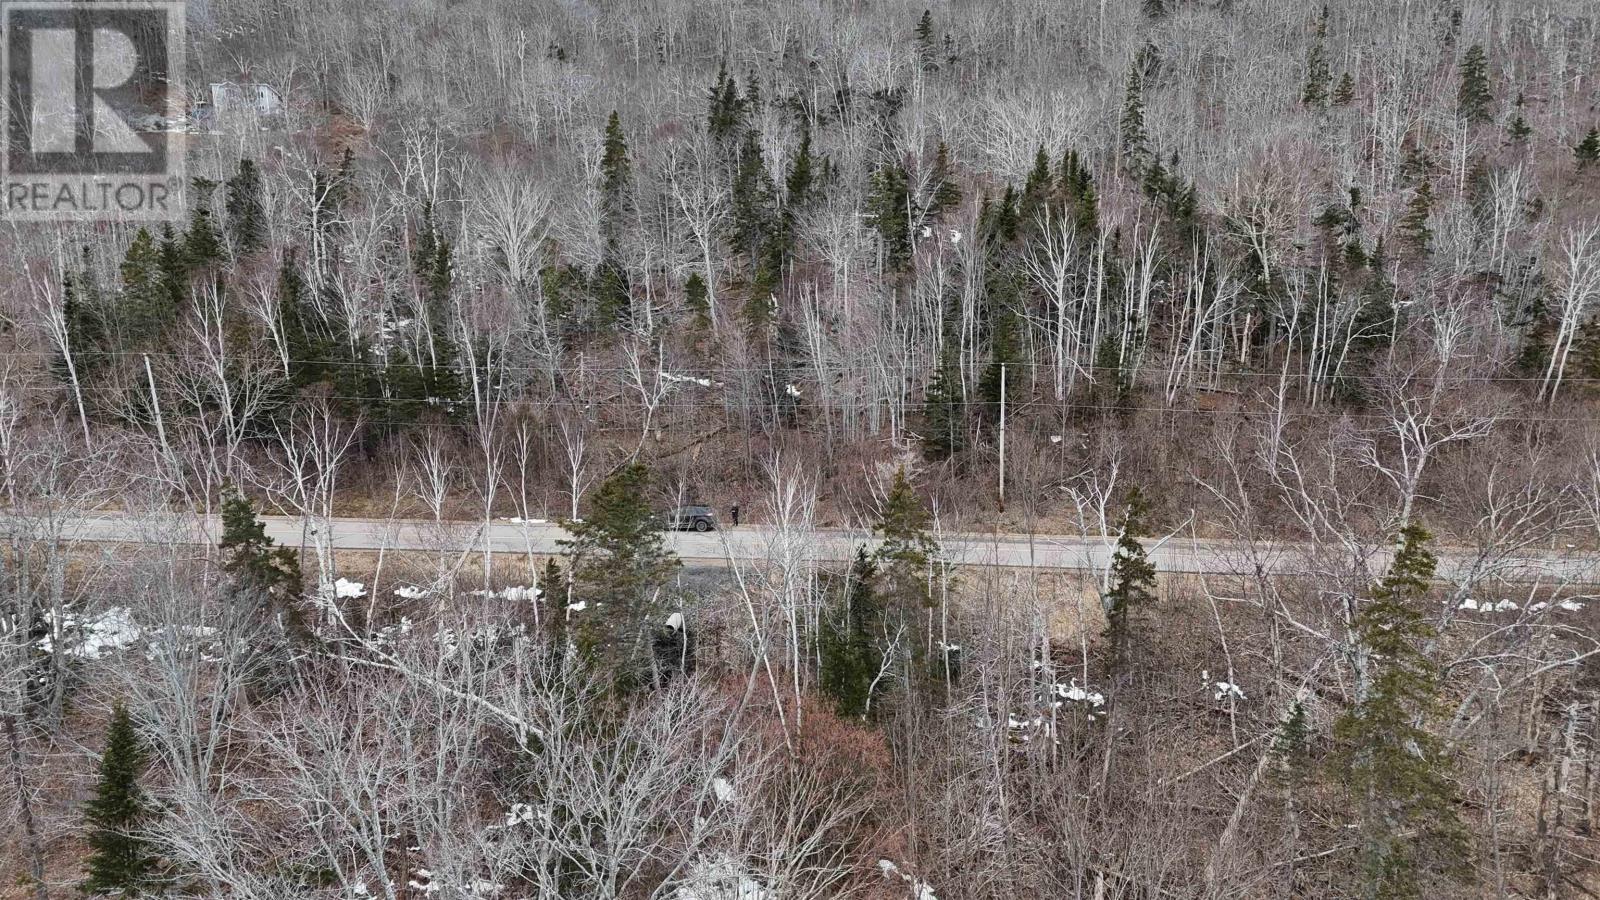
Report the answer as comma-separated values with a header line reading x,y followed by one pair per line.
x,y
698,518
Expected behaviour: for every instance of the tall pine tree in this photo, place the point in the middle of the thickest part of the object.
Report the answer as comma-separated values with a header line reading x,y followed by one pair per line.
x,y
1474,99
619,561
247,215
1131,585
1397,771
121,860
848,644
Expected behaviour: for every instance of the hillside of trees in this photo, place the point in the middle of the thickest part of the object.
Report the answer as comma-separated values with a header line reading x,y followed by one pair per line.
x,y
1320,281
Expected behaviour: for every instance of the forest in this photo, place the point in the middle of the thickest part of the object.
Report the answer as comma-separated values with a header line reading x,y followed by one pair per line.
x,y
1287,314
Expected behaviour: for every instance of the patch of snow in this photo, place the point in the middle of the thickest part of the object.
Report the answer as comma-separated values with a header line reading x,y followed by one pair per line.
x,y
687,379
955,236
519,814
94,637
1469,604
1055,438
920,890
1072,692
719,879
723,789
410,592
1506,606
580,606
791,390
927,232
346,589
1227,689
1570,605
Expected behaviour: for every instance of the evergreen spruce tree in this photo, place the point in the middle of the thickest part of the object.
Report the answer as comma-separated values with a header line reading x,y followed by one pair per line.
x,y
1414,224
146,303
261,572
1315,92
86,332
202,245
1345,93
1588,149
924,42
888,202
1079,199
1474,99
1135,143
174,264
1517,130
753,201
1005,353
618,561
694,299
247,216
1395,769
944,433
725,115
611,289
798,184
1036,191
1154,9
905,554
120,859
945,194
1131,585
903,526
848,643
616,185
1416,165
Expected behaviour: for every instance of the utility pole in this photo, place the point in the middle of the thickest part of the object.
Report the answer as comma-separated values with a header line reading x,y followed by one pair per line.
x,y
155,403
1002,437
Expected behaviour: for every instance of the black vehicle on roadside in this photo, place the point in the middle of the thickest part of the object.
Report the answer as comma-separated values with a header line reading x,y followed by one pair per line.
x,y
692,518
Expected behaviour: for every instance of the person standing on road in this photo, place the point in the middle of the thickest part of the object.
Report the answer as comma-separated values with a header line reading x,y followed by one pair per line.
x,y
733,511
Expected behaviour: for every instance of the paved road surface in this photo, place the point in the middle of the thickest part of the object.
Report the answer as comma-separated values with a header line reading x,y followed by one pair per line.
x,y
757,542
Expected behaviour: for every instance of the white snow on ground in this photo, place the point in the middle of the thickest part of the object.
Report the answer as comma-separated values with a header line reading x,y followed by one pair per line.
x,y
410,592
95,636
518,520
476,888
688,379
520,814
1227,689
719,879
1072,692
920,890
1491,606
580,606
346,589
791,390
1570,605
520,593
723,788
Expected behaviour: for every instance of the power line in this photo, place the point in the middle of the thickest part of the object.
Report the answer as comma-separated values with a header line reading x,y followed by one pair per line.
x,y
804,368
